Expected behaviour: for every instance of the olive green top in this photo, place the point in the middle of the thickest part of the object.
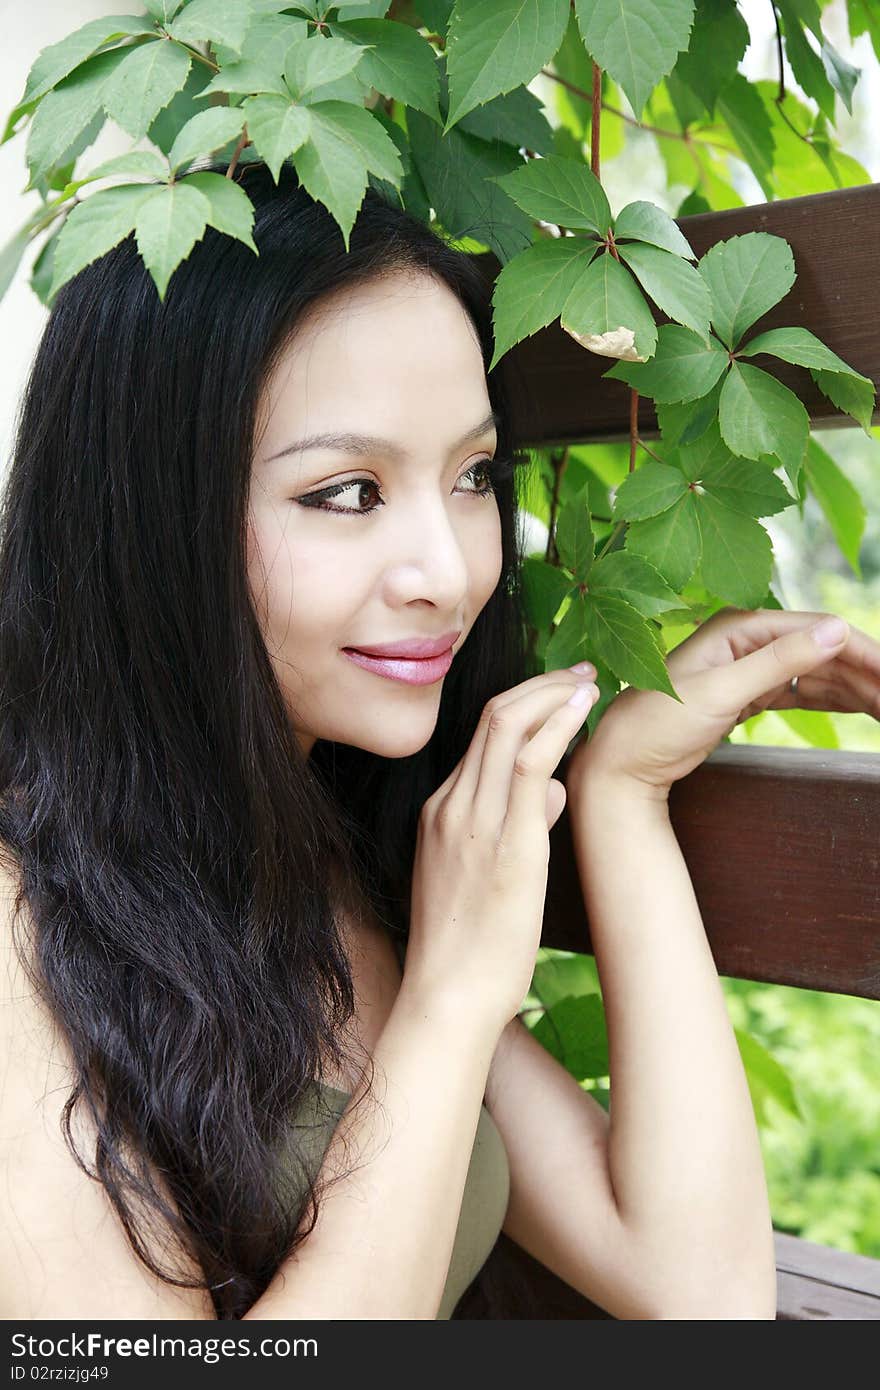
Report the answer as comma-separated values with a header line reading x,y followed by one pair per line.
x,y
486,1189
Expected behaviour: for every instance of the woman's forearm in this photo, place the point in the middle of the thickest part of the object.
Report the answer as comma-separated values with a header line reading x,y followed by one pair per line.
x,y
684,1154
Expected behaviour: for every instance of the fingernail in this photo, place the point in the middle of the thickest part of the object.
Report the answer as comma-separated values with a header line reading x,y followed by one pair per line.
x,y
830,632
582,695
585,668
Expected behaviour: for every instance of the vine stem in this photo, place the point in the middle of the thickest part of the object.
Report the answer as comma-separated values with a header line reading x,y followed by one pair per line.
x,y
242,142
682,135
780,95
642,445
559,467
633,427
595,120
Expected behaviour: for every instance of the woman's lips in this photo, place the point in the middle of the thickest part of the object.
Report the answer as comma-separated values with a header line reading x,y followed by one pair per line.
x,y
425,671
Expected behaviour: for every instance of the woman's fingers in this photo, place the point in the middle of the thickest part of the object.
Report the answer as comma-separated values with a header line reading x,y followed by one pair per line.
x,y
836,688
753,677
521,735
732,633
533,767
464,778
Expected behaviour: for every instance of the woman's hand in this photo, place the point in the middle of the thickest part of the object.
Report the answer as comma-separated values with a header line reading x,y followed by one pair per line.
x,y
738,663
483,849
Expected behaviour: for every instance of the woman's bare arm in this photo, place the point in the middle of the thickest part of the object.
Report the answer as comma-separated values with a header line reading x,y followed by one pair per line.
x,y
684,1153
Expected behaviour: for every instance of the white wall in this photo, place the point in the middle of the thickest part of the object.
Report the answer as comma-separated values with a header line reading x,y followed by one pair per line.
x,y
25,30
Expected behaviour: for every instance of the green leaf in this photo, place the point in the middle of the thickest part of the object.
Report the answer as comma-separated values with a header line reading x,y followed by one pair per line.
x,y
675,287
797,345
746,276
517,118
147,163
565,645
181,108
544,588
841,74
278,127
633,578
685,421
806,64
574,535
168,225
766,1079
208,131
623,639
247,78
719,39
163,10
221,21
95,225
532,289
344,142
839,500
864,18
559,190
267,40
737,555
683,368
496,45
607,314
850,393
43,267
741,484
314,63
231,211
458,172
757,415
399,62
10,258
844,386
685,103
647,491
16,119
670,541
574,1032
144,82
68,109
645,222
804,166
59,59
749,124
558,973
636,41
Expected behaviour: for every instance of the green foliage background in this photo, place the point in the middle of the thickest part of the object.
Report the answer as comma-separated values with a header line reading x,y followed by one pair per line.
x,y
477,116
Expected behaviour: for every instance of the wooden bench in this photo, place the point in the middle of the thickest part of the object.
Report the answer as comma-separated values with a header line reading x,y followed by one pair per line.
x,y
782,845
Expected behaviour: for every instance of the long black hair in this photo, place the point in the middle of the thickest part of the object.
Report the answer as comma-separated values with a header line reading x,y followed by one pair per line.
x,y
174,846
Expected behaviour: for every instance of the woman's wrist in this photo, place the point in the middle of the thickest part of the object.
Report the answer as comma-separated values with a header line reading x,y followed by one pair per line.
x,y
590,775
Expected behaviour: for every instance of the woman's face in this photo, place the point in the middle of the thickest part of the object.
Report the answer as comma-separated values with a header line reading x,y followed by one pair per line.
x,y
414,549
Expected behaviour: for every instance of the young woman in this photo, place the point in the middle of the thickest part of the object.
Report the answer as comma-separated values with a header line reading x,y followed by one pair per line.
x,y
272,902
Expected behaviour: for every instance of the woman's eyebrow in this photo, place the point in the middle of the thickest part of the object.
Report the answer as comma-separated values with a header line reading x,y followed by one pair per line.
x,y
348,443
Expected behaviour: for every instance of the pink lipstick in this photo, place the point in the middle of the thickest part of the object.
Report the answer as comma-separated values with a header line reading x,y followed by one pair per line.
x,y
414,671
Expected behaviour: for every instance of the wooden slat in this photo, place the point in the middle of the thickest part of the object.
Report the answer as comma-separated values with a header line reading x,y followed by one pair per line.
x,y
560,397
783,848
813,1282
816,1281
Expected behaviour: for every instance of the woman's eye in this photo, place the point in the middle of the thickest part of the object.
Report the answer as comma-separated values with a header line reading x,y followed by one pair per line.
x,y
320,499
